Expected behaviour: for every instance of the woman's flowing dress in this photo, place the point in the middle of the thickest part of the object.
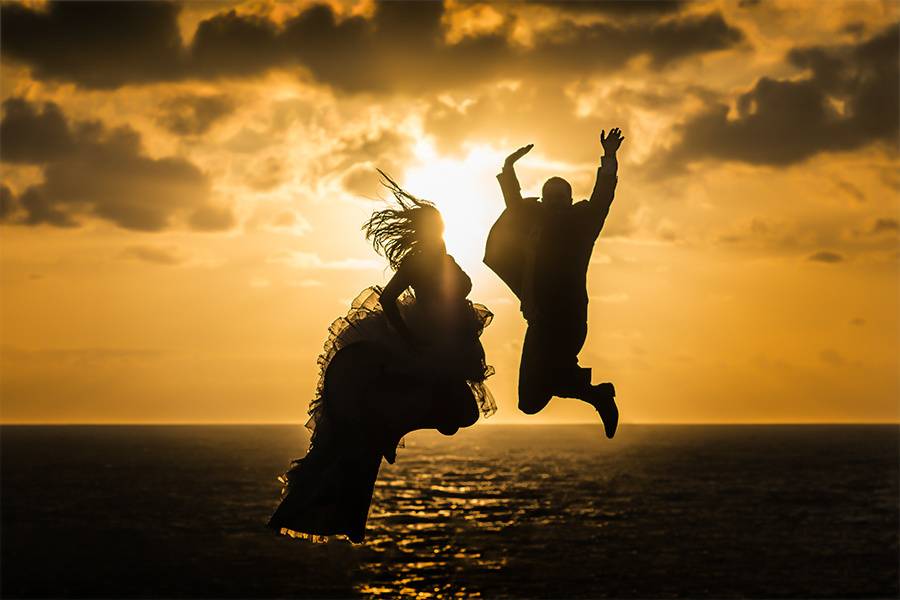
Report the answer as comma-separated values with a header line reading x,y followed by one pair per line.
x,y
374,387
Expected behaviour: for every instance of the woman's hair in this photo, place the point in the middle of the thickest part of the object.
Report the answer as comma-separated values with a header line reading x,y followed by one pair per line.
x,y
395,231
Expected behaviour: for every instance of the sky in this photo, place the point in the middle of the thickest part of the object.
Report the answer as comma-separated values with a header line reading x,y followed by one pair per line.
x,y
183,187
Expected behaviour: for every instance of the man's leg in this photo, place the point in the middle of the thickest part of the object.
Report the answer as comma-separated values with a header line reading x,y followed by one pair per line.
x,y
535,374
570,380
566,338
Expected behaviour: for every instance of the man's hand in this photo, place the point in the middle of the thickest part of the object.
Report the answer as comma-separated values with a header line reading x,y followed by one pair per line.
x,y
611,142
512,158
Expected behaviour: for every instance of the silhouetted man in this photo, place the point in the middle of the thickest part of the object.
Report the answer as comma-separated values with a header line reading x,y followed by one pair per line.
x,y
541,249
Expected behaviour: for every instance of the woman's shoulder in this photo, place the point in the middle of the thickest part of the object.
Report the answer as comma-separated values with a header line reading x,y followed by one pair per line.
x,y
425,258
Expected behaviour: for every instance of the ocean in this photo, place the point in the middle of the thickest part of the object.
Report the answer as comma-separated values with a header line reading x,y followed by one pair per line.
x,y
494,512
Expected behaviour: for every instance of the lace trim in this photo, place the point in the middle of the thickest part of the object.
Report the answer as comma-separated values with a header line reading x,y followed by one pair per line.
x,y
345,330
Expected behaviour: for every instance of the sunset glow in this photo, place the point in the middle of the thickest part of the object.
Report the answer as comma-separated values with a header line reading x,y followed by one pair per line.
x,y
457,187
181,220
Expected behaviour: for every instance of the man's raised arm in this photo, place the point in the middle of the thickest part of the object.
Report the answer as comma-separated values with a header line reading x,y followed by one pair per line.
x,y
509,183
605,187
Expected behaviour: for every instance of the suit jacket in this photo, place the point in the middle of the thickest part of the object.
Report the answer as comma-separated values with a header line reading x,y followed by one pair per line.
x,y
516,237
505,252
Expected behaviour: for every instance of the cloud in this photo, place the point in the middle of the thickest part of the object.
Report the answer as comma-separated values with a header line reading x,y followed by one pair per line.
x,y
267,174
614,7
853,191
276,218
91,170
885,225
402,47
563,121
7,203
357,156
86,355
159,255
211,218
311,260
818,236
832,357
188,115
362,181
850,99
579,48
382,145
35,137
507,114
95,44
826,256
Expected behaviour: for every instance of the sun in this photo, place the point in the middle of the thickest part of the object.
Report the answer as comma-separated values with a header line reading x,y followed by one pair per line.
x,y
465,190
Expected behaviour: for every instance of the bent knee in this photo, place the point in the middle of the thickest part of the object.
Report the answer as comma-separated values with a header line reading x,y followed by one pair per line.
x,y
532,404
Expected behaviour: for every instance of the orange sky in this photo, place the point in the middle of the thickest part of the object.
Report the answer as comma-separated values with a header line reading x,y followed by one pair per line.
x,y
183,189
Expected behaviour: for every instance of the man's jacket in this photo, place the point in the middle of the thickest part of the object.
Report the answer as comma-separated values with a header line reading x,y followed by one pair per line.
x,y
543,253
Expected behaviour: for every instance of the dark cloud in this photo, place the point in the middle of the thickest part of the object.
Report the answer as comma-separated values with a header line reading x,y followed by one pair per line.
x,y
885,225
856,28
614,7
401,47
826,256
33,137
664,42
7,203
92,170
40,210
194,115
232,45
571,49
851,98
95,44
659,99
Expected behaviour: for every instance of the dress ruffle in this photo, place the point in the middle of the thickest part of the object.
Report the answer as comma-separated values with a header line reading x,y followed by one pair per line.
x,y
328,492
366,322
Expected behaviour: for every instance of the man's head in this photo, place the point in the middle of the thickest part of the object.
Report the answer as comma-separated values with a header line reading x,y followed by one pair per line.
x,y
557,193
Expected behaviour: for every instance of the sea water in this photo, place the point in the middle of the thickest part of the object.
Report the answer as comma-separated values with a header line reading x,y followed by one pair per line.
x,y
494,512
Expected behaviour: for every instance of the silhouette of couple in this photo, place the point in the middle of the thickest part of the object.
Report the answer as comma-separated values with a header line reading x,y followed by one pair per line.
x,y
400,361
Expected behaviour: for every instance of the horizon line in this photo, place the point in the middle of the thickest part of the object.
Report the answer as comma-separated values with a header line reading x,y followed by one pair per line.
x,y
483,424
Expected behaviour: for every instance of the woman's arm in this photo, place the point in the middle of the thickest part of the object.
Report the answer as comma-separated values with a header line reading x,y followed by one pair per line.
x,y
389,295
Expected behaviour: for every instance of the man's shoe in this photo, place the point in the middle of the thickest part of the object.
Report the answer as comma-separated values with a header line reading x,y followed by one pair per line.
x,y
605,403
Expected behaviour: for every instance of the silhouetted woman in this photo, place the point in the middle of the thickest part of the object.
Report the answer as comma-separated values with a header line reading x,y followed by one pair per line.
x,y
399,361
